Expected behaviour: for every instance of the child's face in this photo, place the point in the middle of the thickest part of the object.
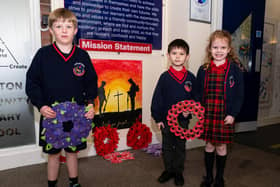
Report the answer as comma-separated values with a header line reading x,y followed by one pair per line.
x,y
177,57
63,31
219,50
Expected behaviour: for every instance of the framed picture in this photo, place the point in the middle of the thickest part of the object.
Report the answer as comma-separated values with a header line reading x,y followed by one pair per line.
x,y
200,10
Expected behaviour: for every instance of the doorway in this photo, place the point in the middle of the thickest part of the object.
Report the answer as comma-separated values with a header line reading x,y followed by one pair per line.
x,y
245,21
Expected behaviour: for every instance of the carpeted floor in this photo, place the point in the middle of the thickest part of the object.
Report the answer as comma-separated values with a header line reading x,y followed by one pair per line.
x,y
266,138
246,167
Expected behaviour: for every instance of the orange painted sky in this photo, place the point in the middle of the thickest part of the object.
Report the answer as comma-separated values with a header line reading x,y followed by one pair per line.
x,y
116,74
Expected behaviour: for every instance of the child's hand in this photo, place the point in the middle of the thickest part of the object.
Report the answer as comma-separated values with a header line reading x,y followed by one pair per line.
x,y
160,125
185,114
47,112
90,112
229,120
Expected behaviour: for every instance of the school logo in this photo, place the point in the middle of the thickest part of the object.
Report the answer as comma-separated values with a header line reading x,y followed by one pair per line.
x,y
79,69
188,86
231,81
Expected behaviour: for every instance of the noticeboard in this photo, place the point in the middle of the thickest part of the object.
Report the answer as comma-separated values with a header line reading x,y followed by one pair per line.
x,y
126,22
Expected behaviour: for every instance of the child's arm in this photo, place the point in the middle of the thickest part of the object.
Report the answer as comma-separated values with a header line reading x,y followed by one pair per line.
x,y
240,92
47,112
185,114
90,82
237,100
160,125
229,120
90,113
199,85
157,102
33,87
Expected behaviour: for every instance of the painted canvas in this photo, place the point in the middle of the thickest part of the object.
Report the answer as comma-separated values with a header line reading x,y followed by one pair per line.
x,y
119,101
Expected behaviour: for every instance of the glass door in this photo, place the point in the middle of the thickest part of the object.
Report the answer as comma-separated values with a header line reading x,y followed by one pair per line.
x,y
246,27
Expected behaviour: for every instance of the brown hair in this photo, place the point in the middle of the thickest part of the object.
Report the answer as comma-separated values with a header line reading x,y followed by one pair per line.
x,y
64,14
221,34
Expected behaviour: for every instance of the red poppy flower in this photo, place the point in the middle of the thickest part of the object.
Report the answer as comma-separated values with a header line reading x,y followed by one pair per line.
x,y
62,159
118,157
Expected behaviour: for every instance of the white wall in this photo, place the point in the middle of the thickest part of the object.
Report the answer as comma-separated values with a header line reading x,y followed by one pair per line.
x,y
176,24
272,9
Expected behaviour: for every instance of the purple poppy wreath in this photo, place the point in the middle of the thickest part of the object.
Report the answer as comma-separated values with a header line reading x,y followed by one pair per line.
x,y
69,129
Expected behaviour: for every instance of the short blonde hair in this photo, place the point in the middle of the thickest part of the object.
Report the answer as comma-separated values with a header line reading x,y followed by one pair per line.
x,y
63,13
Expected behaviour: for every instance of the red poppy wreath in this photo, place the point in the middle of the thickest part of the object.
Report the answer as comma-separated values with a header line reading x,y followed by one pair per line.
x,y
186,106
105,140
139,136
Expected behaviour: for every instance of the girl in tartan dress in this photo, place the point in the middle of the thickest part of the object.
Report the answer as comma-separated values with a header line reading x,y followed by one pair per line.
x,y
221,88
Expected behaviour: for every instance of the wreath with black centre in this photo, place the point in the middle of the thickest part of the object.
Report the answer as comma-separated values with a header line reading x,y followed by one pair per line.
x,y
192,107
68,129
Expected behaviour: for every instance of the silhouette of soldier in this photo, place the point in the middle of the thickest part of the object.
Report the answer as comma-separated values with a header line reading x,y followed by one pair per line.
x,y
101,96
132,92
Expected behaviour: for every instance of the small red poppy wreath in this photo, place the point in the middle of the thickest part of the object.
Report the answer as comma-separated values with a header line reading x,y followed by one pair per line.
x,y
186,106
105,140
139,136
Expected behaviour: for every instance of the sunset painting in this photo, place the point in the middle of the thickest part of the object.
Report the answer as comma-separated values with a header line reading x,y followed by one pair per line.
x,y
119,100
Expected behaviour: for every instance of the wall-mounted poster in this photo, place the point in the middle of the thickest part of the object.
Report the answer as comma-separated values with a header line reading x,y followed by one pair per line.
x,y
118,25
119,101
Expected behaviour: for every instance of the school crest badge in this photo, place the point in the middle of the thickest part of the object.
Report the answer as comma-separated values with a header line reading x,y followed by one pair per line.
x,y
188,86
79,69
231,81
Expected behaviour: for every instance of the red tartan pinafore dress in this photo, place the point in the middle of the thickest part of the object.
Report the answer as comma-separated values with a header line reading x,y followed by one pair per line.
x,y
215,130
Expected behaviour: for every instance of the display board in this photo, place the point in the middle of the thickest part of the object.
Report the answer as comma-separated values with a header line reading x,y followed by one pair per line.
x,y
118,25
